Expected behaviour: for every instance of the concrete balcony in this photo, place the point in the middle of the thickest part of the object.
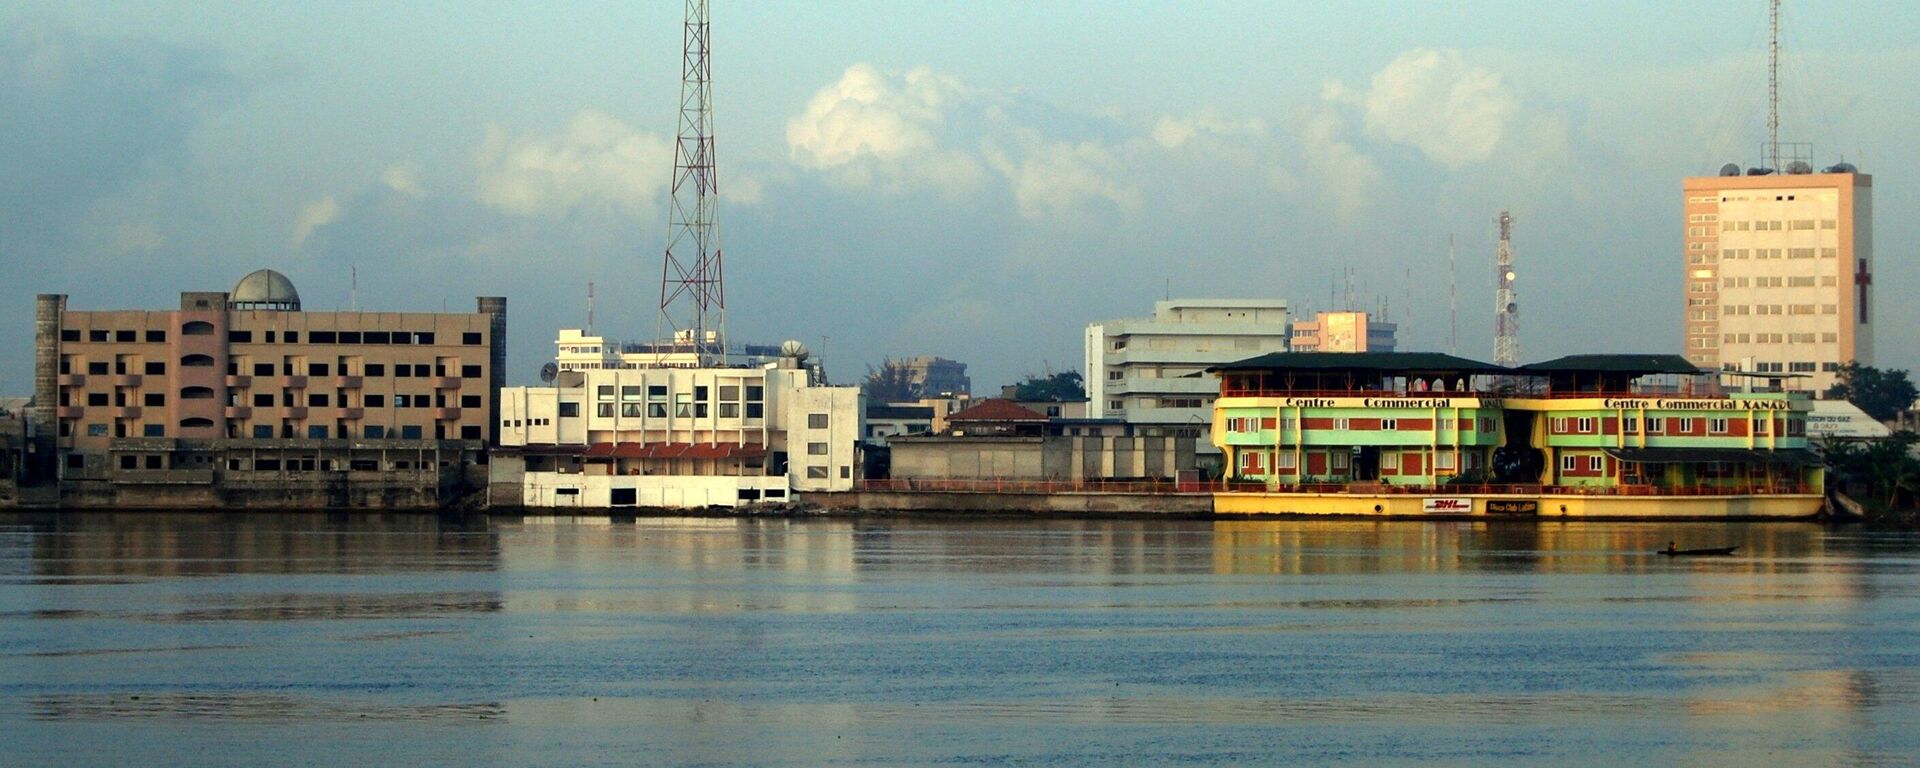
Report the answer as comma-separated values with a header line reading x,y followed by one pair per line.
x,y
239,381
73,379
293,382
239,412
446,382
351,413
70,411
348,382
445,414
296,411
126,412
127,380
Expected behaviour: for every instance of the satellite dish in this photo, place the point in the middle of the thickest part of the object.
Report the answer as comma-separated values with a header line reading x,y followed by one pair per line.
x,y
1513,309
1730,169
1759,171
549,372
1799,167
1842,168
794,349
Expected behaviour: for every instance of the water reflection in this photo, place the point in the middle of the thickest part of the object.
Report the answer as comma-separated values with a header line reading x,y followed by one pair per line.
x,y
915,641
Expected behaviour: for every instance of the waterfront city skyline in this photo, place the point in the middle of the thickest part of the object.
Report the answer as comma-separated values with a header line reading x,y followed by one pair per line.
x,y
977,182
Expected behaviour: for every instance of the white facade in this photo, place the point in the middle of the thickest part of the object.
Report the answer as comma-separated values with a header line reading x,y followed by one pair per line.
x,y
1151,371
681,437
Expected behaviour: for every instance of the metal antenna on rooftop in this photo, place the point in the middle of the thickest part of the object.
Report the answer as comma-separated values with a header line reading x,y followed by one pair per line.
x,y
589,307
1506,320
353,292
692,267
1772,155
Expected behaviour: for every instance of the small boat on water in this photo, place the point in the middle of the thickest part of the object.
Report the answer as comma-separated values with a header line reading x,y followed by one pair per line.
x,y
1674,551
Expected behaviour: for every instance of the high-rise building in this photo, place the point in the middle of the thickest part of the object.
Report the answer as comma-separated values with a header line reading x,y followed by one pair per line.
x,y
1778,272
1344,331
938,376
1152,371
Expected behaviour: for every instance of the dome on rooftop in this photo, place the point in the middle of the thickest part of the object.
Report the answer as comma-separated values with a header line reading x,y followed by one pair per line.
x,y
264,289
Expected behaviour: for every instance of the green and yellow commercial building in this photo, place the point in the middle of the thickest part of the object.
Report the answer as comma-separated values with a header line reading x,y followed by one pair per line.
x,y
1595,436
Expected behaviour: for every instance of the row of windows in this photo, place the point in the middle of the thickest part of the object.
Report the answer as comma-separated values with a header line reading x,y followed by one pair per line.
x,y
1779,338
1289,423
1733,310
1775,225
1674,425
202,328
658,393
285,368
284,430
1738,254
1778,281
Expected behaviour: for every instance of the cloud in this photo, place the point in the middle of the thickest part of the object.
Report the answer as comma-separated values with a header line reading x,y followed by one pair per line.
x,y
317,214
1173,132
1052,179
872,128
596,161
1349,176
85,118
1454,112
901,132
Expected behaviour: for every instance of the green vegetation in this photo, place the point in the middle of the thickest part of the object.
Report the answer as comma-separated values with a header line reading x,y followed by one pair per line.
x,y
1057,387
1882,394
1882,475
892,382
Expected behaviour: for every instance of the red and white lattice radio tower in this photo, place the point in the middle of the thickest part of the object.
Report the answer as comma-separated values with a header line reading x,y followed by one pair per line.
x,y
693,300
1506,320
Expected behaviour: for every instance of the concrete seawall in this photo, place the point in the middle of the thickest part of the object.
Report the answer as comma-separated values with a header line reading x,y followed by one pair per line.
x,y
1154,504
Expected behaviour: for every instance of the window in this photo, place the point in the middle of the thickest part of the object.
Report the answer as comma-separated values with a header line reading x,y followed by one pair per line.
x,y
1584,425
1630,424
376,369
1682,426
630,410
469,371
410,432
1567,462
323,337
755,410
197,361
470,338
317,369
1717,426
1285,460
196,393
157,399
239,337
1389,424
376,431
630,394
1557,425
193,328
96,398
1593,463
317,400
657,392
816,449
816,473
604,410
816,421
196,423
1762,424
1338,460
154,430
729,410
1341,424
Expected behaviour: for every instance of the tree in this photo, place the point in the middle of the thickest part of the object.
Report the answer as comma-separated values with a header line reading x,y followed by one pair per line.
x,y
1882,394
1065,385
1884,468
892,382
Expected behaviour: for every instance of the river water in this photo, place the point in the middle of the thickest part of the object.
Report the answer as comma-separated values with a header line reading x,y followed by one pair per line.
x,y
195,639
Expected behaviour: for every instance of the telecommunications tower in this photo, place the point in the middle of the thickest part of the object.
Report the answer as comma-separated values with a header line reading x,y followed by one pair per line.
x,y
1506,320
693,302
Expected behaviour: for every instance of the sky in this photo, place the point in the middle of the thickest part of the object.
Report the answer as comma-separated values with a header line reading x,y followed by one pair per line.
x,y
975,180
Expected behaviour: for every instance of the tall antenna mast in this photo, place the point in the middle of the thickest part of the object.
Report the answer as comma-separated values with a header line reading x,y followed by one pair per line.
x,y
1506,319
589,307
1771,158
690,275
353,293
1453,303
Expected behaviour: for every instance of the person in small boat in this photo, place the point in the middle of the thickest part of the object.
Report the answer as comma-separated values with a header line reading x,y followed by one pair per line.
x,y
1672,548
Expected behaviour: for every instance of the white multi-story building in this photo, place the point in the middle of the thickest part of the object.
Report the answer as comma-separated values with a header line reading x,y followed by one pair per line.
x,y
1152,371
650,436
1779,268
